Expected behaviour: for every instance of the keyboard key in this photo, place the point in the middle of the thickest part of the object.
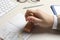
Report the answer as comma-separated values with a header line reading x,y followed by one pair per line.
x,y
6,6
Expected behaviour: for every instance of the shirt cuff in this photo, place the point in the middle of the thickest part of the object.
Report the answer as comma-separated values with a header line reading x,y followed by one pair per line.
x,y
55,22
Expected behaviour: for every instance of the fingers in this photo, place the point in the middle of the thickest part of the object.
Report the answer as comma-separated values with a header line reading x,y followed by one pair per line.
x,y
30,13
37,13
33,19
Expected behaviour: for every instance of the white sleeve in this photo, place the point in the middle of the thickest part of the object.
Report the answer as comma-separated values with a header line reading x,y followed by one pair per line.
x,y
55,22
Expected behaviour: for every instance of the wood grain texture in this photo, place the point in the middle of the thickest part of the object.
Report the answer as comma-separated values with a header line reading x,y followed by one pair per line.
x,y
28,27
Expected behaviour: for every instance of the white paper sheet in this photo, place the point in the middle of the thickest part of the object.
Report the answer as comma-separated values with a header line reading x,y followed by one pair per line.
x,y
19,21
9,32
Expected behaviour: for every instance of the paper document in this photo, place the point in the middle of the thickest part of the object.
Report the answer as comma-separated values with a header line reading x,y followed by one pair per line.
x,y
19,21
9,32
12,29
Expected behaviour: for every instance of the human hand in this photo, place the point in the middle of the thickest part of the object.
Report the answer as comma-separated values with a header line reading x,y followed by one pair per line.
x,y
40,18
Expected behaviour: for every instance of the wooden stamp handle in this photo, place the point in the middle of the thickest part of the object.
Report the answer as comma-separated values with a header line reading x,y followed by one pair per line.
x,y
28,27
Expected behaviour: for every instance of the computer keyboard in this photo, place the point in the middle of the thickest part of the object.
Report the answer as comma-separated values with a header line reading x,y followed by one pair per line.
x,y
6,6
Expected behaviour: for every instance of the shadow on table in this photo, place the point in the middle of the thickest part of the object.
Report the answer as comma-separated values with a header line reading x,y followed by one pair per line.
x,y
38,30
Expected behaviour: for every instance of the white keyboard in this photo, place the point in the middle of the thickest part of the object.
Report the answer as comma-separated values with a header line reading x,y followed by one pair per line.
x,y
6,6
